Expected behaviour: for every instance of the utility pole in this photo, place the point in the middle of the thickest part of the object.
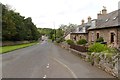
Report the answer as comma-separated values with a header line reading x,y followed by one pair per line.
x,y
54,31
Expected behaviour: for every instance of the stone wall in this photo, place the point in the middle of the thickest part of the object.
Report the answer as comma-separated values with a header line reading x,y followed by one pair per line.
x,y
79,36
119,37
65,45
8,43
108,64
100,60
105,33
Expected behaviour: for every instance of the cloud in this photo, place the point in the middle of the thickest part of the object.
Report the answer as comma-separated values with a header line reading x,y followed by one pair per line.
x,y
47,12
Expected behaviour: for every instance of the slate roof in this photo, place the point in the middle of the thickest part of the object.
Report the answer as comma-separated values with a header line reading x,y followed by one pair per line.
x,y
109,20
80,28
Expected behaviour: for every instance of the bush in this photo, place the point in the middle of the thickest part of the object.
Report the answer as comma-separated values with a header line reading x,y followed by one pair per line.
x,y
97,47
70,42
53,39
60,40
100,39
82,41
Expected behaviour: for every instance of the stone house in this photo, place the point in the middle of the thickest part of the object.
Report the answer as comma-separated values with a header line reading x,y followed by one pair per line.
x,y
81,31
67,37
107,26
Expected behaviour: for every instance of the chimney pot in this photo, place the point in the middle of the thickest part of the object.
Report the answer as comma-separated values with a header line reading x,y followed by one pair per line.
x,y
82,21
104,11
89,19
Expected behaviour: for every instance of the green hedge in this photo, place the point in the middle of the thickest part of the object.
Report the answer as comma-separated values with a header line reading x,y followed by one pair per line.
x,y
97,47
70,42
81,42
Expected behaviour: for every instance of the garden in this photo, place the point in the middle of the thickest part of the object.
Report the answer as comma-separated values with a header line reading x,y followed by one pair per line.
x,y
98,54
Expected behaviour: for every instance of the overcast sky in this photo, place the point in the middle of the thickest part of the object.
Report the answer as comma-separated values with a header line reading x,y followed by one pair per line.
x,y
46,13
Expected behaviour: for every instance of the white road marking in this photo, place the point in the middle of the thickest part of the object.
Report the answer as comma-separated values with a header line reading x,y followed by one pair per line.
x,y
47,66
44,76
66,67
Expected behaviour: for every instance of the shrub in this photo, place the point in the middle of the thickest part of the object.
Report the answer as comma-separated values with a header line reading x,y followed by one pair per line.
x,y
70,42
52,39
100,39
81,41
60,40
97,47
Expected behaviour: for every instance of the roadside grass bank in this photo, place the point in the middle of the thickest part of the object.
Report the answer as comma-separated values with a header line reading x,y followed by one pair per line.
x,y
5,49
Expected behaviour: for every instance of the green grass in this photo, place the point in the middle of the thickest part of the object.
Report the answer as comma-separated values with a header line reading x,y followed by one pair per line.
x,y
5,49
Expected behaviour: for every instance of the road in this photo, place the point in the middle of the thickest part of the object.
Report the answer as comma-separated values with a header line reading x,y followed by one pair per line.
x,y
46,60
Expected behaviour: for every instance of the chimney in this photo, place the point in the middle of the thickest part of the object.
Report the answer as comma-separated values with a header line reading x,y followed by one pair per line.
x,y
82,22
89,19
99,15
104,11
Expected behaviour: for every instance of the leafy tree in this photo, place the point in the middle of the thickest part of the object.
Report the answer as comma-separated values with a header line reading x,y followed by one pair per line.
x,y
59,33
15,27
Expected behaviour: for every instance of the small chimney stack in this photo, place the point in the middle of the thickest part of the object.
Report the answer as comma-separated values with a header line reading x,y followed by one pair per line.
x,y
104,11
82,21
99,15
89,19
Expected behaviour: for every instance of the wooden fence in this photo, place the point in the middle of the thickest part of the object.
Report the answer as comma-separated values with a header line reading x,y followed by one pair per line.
x,y
79,48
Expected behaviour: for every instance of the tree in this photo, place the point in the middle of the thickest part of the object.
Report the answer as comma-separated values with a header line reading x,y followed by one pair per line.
x,y
15,27
59,33
68,28
8,25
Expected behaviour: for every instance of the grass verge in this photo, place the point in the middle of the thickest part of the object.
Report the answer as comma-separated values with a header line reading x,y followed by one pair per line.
x,y
5,49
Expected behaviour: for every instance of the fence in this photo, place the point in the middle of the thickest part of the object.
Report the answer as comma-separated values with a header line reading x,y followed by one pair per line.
x,y
79,48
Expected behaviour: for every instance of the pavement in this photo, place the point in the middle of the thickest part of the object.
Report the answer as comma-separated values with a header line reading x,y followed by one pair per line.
x,y
46,60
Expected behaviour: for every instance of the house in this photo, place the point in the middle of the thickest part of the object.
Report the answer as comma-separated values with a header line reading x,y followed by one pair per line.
x,y
106,26
81,31
67,34
67,37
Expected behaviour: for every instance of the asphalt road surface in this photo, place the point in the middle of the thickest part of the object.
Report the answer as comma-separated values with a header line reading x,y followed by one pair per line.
x,y
46,60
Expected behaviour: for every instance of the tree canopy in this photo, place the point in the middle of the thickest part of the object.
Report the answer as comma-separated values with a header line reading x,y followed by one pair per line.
x,y
59,33
16,27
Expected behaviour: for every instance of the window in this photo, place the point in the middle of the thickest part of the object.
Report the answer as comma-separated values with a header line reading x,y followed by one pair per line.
x,y
97,35
79,29
80,37
75,38
112,37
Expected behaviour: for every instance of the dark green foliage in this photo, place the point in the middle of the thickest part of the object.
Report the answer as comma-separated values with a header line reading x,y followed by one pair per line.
x,y
15,27
70,42
59,33
100,39
46,31
53,34
81,42
60,40
97,47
